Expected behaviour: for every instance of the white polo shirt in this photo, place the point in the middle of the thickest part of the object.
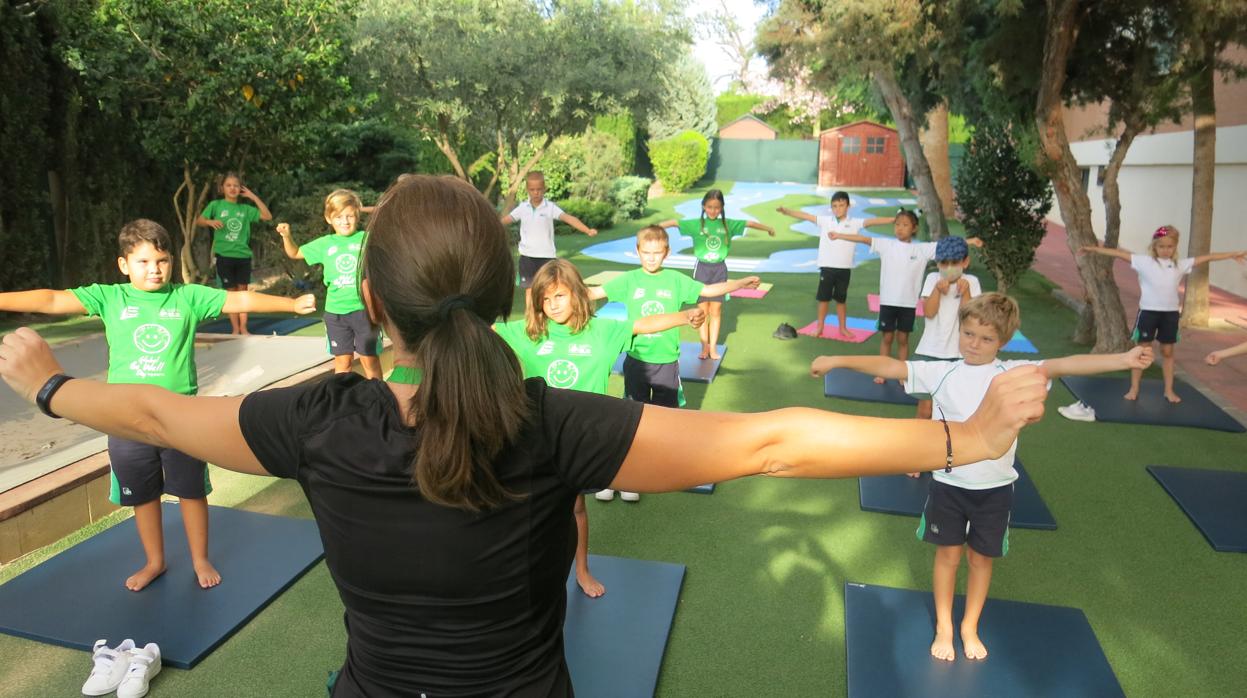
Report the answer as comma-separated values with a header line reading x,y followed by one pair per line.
x,y
537,227
1158,281
901,268
837,254
939,333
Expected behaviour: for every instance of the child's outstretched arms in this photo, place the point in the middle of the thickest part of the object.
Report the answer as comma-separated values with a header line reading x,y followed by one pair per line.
x,y
881,366
793,213
1215,357
287,244
1086,364
653,324
1240,257
575,223
760,226
1106,251
44,300
878,221
669,223
252,302
851,237
730,286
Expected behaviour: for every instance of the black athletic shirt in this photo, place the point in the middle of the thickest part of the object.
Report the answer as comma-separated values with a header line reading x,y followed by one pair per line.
x,y
440,601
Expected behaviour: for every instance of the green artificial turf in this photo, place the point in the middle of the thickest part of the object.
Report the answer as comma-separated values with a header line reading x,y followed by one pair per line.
x,y
761,611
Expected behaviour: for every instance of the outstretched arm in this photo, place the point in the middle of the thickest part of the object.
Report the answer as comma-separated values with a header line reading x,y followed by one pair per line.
x,y
287,244
760,226
878,221
1240,257
730,286
44,300
252,302
597,293
652,324
1215,357
507,219
881,366
851,237
1106,251
575,223
1087,364
803,442
669,223
794,213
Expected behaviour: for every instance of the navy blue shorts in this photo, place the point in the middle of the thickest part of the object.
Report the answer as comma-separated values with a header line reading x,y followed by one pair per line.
x,y
529,266
979,518
653,384
142,472
1156,325
833,284
710,273
233,271
351,333
894,318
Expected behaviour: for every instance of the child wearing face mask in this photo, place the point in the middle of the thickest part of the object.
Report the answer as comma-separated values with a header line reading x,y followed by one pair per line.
x,y
944,293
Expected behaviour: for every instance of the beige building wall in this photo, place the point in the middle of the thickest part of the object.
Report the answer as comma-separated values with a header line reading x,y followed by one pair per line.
x,y
747,129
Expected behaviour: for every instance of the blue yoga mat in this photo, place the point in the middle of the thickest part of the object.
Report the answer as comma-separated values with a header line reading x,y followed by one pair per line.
x,y
1105,396
1033,650
692,369
1214,500
614,644
1019,344
262,325
79,596
851,385
613,311
901,494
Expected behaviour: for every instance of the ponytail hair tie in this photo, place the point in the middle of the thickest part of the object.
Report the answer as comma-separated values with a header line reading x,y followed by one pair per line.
x,y
451,303
1160,232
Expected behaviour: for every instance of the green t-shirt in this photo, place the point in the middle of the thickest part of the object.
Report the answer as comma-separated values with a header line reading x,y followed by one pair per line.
x,y
340,255
714,242
151,334
234,238
572,361
654,294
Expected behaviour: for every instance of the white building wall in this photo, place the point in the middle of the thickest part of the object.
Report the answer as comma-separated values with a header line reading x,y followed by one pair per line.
x,y
1155,184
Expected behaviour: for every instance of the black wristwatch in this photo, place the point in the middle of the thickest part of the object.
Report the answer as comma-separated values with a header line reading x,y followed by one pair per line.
x,y
44,398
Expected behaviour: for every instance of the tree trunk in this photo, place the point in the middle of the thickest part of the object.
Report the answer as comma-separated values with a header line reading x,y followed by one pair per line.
x,y
60,226
1203,180
520,170
1112,192
188,202
935,146
907,126
1103,298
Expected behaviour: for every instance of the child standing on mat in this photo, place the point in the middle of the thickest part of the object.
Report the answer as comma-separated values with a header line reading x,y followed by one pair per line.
x,y
944,293
712,240
231,238
1160,273
562,341
970,507
150,327
901,265
652,367
347,325
835,257
536,217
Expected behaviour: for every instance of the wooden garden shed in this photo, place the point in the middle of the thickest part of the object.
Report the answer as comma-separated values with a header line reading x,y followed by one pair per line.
x,y
860,154
748,127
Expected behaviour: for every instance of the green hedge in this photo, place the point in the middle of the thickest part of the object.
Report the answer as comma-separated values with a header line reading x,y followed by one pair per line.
x,y
630,195
680,161
595,214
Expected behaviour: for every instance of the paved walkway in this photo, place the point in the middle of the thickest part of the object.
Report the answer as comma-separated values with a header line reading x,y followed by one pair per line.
x,y
1226,382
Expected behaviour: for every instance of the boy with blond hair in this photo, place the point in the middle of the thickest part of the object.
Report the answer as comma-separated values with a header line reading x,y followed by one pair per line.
x,y
537,216
968,508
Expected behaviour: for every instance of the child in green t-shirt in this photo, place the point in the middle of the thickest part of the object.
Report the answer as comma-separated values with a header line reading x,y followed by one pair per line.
x,y
347,324
231,237
562,341
712,240
150,327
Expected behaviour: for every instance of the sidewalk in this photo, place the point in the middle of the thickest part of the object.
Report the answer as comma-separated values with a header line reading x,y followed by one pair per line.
x,y
1225,383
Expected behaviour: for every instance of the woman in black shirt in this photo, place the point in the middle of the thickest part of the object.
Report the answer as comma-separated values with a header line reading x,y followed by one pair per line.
x,y
445,507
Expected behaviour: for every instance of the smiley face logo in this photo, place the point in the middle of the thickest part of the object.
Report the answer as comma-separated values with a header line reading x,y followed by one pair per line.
x,y
234,225
652,308
562,374
152,338
713,242
346,263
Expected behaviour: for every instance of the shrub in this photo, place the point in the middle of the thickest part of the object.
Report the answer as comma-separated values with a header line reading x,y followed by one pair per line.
x,y
595,214
1002,201
596,160
630,195
622,126
680,161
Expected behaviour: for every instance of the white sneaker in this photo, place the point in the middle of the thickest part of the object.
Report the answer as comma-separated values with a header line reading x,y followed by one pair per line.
x,y
110,668
144,665
1078,412
604,495
629,496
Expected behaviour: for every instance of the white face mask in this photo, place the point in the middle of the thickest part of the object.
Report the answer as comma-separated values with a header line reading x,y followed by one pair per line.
x,y
950,273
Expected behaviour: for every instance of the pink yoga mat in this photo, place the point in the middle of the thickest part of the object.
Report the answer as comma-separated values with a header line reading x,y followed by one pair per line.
x,y
872,300
831,331
759,292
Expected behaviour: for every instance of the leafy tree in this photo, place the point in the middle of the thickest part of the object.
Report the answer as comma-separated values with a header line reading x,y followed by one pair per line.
x,y
687,102
622,126
1003,201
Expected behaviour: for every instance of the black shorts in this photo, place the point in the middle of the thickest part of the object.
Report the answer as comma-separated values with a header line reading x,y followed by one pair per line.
x,y
529,266
710,273
896,318
833,284
980,518
351,333
1156,325
141,473
233,271
653,384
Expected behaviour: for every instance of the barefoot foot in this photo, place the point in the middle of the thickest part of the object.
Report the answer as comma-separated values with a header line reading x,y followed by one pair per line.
x,y
972,645
589,585
207,574
144,576
818,330
846,333
715,355
942,647
1133,394
878,380
1172,397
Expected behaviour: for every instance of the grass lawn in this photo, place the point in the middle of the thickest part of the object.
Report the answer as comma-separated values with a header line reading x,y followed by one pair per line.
x,y
761,611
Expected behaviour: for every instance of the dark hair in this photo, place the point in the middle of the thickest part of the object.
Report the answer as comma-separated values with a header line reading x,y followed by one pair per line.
x,y
913,217
713,195
220,182
141,230
438,263
551,275
840,196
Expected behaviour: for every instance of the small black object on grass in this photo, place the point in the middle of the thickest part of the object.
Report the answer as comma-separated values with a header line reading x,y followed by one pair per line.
x,y
784,331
